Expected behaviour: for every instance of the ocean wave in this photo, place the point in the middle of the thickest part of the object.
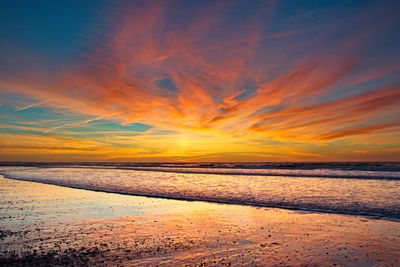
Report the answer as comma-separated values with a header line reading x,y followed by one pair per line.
x,y
329,173
353,196
350,170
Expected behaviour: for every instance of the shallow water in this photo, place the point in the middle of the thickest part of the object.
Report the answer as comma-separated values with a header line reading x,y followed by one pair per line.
x,y
372,196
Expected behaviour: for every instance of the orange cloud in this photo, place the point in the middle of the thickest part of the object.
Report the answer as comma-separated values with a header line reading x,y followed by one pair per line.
x,y
215,86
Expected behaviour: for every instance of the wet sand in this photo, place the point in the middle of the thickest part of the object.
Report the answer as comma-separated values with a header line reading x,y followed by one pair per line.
x,y
42,225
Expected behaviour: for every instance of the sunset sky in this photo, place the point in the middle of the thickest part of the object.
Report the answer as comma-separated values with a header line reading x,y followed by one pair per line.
x,y
200,80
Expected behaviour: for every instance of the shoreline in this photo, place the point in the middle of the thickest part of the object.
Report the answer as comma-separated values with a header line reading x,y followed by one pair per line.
x,y
51,225
371,216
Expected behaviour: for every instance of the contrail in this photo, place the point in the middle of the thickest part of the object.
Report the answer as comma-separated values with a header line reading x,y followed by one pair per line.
x,y
82,122
38,104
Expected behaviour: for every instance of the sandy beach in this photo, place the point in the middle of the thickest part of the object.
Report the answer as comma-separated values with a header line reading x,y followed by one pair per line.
x,y
45,225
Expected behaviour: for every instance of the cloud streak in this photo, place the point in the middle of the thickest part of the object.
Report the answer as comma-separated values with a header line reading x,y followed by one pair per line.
x,y
38,104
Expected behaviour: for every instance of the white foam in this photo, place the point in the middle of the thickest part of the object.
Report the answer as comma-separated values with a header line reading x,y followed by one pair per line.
x,y
371,196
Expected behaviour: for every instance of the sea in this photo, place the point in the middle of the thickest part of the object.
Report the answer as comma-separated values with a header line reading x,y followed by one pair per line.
x,y
367,188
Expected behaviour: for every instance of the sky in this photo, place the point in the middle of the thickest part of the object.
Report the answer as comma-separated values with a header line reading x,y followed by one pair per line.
x,y
150,81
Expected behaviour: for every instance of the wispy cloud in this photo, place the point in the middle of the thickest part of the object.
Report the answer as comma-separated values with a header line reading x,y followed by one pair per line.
x,y
217,82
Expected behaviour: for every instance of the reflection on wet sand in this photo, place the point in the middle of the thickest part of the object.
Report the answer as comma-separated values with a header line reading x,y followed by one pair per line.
x,y
45,224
